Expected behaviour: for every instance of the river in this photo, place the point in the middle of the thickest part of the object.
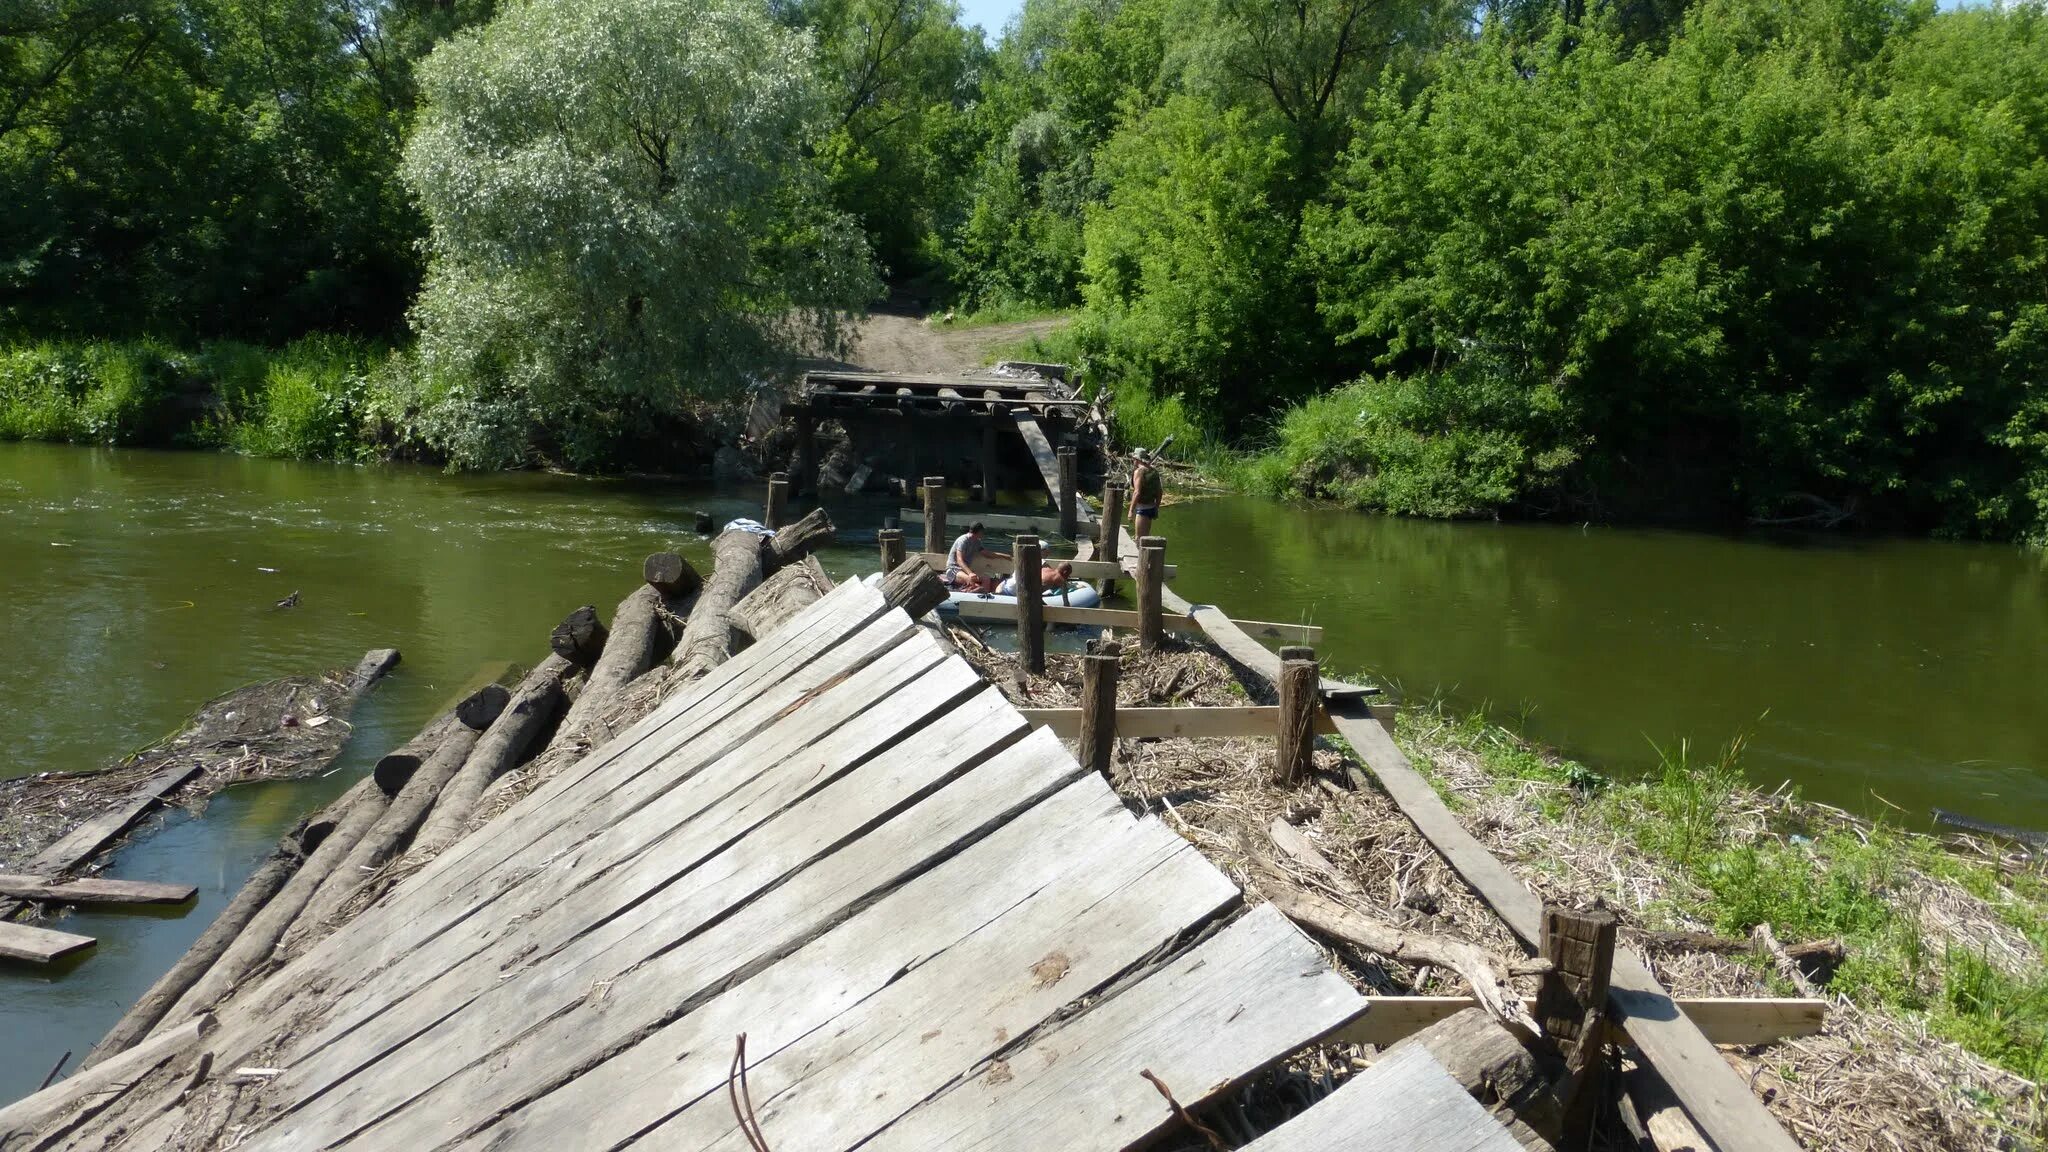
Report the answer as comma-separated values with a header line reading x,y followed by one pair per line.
x,y
139,584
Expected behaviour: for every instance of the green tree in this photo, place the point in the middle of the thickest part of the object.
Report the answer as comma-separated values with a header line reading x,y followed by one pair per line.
x,y
896,76
623,223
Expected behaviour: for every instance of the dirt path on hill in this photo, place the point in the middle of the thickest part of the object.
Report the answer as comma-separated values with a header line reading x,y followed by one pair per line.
x,y
889,342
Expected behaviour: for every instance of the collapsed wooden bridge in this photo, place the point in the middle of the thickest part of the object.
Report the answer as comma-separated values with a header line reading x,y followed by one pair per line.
x,y
836,891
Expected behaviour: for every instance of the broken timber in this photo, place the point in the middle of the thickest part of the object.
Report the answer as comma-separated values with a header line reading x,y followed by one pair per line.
x,y
840,842
1722,1106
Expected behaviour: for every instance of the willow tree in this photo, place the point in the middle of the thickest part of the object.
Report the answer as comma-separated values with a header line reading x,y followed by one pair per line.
x,y
624,223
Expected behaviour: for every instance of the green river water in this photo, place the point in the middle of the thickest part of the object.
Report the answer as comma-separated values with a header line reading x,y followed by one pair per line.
x,y
135,587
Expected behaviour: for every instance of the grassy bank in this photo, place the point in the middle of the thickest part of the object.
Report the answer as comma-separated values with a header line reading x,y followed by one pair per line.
x,y
317,398
1944,939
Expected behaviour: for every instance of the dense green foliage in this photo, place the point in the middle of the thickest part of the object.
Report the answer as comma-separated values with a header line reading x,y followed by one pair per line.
x,y
1721,261
622,223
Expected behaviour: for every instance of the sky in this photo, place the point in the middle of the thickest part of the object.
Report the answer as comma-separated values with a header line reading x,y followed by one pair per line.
x,y
990,14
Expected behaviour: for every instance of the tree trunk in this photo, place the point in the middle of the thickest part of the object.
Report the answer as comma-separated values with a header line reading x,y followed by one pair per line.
x,y
143,1015
738,564
915,588
397,822
396,767
352,815
671,574
580,637
780,597
793,542
535,703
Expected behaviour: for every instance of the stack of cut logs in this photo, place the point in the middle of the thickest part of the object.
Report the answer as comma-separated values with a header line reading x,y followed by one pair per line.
x,y
495,746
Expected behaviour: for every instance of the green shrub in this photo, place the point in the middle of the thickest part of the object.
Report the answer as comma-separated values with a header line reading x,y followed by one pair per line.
x,y
309,404
99,392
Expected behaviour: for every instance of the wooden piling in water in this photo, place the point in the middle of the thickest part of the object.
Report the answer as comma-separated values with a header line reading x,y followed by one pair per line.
x,y
807,453
935,514
1109,532
1293,751
778,499
1070,496
1030,604
1098,706
893,548
1151,582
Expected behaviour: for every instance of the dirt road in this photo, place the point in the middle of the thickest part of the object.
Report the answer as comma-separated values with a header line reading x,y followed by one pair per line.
x,y
889,342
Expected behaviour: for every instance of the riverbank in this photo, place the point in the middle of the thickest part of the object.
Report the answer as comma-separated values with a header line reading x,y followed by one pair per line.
x,y
1937,1028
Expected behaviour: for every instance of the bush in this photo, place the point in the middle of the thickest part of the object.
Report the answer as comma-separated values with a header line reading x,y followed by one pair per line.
x,y
98,392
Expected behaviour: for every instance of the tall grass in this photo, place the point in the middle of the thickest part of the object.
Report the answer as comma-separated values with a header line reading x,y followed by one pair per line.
x,y
306,400
1734,859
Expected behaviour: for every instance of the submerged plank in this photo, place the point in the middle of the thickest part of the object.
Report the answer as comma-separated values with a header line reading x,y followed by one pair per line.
x,y
1405,1102
94,890
39,945
1204,1024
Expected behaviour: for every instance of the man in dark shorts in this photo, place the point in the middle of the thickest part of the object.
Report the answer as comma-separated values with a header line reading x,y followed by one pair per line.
x,y
960,573
1147,489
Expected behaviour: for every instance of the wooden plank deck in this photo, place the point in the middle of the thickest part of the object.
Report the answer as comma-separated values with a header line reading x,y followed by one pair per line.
x,y
919,909
93,890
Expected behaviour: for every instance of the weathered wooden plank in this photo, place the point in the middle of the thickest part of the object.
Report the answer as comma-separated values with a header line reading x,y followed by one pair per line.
x,y
1238,721
1718,1101
992,566
848,1079
39,945
963,381
1045,526
1041,452
38,1114
81,842
94,890
1058,613
1404,1102
1724,1019
735,699
1204,1024
595,887
604,1087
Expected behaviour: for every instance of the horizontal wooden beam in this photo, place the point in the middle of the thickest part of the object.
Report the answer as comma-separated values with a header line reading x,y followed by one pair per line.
x,y
1047,525
1057,613
1083,569
1733,1020
39,945
95,890
1193,723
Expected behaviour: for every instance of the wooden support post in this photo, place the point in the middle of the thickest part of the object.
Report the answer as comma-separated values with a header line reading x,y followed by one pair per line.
x,y
935,515
778,499
1030,605
1571,1004
1070,496
1098,706
806,453
1151,583
1293,754
990,453
1109,532
893,549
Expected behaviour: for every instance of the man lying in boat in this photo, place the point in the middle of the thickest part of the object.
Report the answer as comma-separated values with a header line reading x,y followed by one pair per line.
x,y
960,573
1051,578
